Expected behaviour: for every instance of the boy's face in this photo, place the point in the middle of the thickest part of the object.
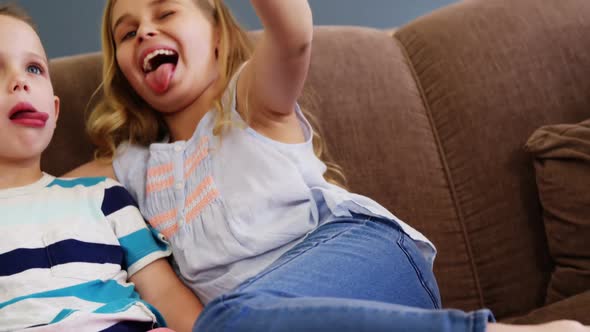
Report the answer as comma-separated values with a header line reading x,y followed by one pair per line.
x,y
28,108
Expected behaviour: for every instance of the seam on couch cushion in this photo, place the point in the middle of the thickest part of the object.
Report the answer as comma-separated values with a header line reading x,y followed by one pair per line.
x,y
446,168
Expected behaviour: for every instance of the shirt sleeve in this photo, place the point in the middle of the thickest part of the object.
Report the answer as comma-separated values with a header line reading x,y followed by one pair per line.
x,y
141,244
129,165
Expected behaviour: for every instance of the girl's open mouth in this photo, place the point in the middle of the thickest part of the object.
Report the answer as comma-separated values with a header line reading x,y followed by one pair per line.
x,y
159,66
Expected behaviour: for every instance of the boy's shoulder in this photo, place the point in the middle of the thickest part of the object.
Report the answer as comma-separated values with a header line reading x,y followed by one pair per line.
x,y
111,193
83,182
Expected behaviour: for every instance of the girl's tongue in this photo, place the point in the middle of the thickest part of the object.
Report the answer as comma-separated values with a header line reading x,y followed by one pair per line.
x,y
159,79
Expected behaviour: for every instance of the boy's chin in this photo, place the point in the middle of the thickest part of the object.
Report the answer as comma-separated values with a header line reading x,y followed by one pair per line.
x,y
29,152
21,161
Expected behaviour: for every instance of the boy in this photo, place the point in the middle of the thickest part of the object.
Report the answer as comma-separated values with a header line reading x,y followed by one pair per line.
x,y
69,246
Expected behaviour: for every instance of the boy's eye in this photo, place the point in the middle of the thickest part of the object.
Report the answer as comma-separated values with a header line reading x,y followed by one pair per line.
x,y
128,35
35,69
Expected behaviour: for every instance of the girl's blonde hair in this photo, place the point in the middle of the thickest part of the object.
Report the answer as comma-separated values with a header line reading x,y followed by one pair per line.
x,y
122,115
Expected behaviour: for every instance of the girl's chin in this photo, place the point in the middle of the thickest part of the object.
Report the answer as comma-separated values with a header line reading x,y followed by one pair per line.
x,y
164,104
152,97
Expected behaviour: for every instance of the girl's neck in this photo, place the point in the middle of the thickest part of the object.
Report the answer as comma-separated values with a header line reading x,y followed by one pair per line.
x,y
182,124
18,174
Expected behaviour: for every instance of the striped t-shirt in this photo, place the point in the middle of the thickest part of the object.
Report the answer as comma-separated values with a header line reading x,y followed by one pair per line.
x,y
68,249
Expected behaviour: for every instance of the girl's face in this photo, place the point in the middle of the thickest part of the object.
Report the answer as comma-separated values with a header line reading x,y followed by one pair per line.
x,y
166,50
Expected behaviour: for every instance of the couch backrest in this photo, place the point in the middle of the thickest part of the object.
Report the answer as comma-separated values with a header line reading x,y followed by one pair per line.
x,y
75,80
490,73
431,124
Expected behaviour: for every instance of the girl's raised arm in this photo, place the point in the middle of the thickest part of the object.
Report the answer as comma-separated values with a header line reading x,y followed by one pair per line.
x,y
273,79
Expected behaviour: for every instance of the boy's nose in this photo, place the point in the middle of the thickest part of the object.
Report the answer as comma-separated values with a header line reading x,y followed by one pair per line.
x,y
20,85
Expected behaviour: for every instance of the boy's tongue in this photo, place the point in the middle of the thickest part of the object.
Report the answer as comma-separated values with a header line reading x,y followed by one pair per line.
x,y
159,79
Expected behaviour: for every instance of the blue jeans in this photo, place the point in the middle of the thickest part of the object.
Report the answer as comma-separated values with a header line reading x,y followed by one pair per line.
x,y
353,274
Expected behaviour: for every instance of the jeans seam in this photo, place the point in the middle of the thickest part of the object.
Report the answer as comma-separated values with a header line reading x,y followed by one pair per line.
x,y
222,301
262,274
416,269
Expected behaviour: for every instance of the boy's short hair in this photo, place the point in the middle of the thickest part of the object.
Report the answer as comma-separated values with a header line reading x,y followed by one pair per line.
x,y
17,12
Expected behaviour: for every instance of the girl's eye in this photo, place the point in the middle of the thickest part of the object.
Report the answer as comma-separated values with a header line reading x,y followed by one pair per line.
x,y
35,69
128,35
166,14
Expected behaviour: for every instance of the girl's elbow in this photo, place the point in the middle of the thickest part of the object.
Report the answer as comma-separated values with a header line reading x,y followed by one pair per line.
x,y
303,49
298,45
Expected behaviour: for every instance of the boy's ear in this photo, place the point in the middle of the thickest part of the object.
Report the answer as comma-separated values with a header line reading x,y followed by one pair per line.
x,y
56,101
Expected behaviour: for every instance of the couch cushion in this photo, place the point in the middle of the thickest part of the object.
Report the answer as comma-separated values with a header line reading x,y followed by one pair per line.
x,y
492,72
574,308
562,165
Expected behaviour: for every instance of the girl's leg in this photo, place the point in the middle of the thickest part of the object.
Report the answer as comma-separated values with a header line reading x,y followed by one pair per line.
x,y
357,258
356,274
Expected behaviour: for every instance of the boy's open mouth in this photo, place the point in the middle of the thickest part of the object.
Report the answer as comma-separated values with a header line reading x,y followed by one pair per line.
x,y
158,66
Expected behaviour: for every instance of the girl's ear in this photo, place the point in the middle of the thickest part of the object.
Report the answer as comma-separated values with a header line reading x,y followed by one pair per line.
x,y
216,38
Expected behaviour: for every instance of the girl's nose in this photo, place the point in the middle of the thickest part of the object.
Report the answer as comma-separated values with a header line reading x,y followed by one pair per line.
x,y
146,33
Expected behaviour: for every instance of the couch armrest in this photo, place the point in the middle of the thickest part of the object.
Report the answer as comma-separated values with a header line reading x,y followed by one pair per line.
x,y
575,308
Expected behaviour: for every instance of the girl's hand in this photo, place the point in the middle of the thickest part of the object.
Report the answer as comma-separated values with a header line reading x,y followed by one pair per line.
x,y
556,326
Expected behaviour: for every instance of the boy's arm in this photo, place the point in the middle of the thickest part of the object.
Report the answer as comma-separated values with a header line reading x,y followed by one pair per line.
x,y
158,285
145,254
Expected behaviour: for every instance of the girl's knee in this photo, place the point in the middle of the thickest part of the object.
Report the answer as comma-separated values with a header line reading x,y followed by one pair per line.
x,y
221,313
239,311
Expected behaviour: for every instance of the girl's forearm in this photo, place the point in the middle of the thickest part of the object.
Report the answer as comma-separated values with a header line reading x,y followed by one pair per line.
x,y
288,23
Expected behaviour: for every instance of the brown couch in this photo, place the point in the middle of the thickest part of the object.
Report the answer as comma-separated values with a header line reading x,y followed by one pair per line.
x,y
431,123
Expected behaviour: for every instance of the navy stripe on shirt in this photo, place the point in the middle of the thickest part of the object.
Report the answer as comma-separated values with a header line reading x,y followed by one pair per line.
x,y
63,252
116,198
130,327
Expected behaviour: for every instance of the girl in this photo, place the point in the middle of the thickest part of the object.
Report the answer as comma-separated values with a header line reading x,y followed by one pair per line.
x,y
208,137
